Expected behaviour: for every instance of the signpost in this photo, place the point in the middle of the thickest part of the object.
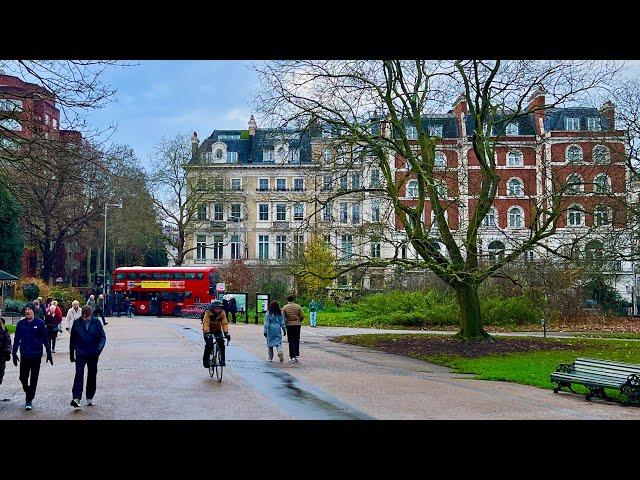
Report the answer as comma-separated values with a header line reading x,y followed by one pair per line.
x,y
262,303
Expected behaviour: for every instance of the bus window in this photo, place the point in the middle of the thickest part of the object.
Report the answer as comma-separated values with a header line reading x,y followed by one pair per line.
x,y
187,294
166,276
132,276
200,275
144,276
197,300
132,295
178,276
120,276
156,276
190,276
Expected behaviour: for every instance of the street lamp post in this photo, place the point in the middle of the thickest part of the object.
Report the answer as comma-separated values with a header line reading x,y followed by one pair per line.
x,y
104,266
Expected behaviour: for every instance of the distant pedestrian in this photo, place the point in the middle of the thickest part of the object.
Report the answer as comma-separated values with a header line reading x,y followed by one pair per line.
x,y
92,303
85,346
233,308
99,310
47,304
127,307
40,312
293,318
5,347
225,305
53,321
274,329
73,314
30,336
313,311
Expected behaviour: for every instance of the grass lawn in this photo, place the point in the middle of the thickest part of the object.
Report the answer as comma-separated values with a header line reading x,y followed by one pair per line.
x,y
11,328
529,368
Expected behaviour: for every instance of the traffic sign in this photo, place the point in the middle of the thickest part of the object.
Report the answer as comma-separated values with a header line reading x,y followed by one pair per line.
x,y
220,287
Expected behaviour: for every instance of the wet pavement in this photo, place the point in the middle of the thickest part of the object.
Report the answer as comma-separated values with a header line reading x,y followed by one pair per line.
x,y
152,369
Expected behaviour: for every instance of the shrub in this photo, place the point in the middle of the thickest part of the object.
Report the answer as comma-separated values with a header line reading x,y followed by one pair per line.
x,y
514,310
64,296
25,293
14,306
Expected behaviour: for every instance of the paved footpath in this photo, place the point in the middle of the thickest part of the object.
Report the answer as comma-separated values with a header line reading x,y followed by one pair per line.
x,y
151,369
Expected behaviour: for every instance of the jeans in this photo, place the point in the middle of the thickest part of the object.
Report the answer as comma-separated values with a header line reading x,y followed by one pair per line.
x,y
270,351
131,312
208,347
29,366
293,334
92,364
312,319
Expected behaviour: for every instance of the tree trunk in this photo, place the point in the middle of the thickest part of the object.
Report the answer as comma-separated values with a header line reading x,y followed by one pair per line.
x,y
470,316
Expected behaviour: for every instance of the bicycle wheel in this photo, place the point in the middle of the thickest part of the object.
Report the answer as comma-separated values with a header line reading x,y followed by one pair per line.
x,y
212,363
219,367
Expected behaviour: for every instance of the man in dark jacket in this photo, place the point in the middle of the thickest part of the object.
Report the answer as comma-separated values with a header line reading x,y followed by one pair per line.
x,y
5,347
30,336
85,346
233,308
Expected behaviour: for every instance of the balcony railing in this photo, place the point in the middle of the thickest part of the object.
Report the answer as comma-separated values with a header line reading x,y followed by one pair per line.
x,y
279,224
217,224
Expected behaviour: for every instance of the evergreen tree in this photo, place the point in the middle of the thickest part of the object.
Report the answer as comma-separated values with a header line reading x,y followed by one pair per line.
x,y
10,235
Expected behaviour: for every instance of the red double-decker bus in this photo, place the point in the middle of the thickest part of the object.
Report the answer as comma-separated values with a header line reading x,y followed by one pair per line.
x,y
165,290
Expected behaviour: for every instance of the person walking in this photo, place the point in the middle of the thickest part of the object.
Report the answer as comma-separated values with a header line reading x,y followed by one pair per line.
x,y
85,346
92,303
126,306
293,318
274,329
313,311
99,311
225,305
30,336
73,314
40,311
5,347
233,308
53,321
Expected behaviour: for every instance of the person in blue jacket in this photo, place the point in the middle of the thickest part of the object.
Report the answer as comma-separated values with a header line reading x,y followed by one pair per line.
x,y
273,326
31,335
85,346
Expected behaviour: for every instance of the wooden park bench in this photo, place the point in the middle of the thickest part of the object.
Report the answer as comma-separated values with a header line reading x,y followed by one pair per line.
x,y
597,375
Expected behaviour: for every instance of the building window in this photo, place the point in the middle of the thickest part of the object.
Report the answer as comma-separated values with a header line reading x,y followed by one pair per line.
x,y
236,184
512,129
55,124
375,178
263,184
514,159
218,184
515,217
10,124
575,216
208,156
236,211
490,218
298,211
202,211
403,252
281,154
593,251
343,212
232,157
602,184
496,250
441,189
601,154
218,214
572,123
294,155
327,241
347,246
343,182
235,247
201,247
355,181
201,185
46,118
355,213
412,132
281,184
298,245
217,247
263,247
219,154
327,181
326,155
514,188
12,105
267,155
602,216
435,130
574,153
375,211
298,184
412,189
440,160
281,247
327,212
281,212
263,209
575,184
375,249
593,123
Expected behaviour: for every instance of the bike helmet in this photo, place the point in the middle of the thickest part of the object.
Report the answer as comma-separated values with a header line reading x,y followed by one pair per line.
x,y
216,303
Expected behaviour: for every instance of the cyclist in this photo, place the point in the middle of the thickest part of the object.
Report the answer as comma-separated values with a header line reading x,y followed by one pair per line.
x,y
214,323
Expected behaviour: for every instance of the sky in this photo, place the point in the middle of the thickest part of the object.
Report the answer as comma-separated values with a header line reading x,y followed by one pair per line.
x,y
165,98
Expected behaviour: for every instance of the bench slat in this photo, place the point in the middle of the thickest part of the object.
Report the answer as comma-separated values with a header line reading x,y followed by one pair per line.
x,y
605,363
591,380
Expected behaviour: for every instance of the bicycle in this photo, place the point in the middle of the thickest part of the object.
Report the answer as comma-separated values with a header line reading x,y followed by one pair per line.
x,y
214,359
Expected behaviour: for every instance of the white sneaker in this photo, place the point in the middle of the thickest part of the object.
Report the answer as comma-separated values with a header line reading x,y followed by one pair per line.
x,y
90,402
75,403
269,359
295,359
292,360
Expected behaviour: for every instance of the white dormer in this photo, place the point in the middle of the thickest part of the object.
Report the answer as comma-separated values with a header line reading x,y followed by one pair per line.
x,y
219,152
281,152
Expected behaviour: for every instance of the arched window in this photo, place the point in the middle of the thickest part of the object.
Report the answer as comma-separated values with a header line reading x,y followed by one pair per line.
x,y
602,216
440,160
593,251
412,189
10,124
574,153
575,184
514,188
514,158
575,216
601,154
326,155
496,250
281,154
602,184
219,153
515,217
441,189
490,219
512,129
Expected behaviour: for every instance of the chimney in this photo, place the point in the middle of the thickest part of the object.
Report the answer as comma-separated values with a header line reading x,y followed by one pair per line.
x,y
460,109
608,111
194,144
252,126
537,106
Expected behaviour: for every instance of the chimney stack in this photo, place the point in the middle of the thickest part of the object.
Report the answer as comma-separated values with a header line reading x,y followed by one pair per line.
x,y
252,126
460,109
537,106
194,144
608,111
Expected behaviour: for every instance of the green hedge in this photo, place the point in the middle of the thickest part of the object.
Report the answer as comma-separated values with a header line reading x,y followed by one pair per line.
x,y
13,306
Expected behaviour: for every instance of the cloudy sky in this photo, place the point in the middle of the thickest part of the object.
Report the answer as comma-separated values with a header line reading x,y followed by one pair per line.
x,y
163,98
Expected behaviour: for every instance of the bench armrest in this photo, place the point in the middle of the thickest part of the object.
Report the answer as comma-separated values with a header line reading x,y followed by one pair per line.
x,y
564,367
633,380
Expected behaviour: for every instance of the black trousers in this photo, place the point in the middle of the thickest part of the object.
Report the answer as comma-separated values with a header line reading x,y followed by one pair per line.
x,y
100,313
29,366
208,347
53,333
78,381
2,367
233,317
293,334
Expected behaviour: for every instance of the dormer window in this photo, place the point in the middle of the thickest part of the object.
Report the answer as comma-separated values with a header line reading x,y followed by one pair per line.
x,y
218,154
267,155
572,123
435,130
232,157
593,124
512,129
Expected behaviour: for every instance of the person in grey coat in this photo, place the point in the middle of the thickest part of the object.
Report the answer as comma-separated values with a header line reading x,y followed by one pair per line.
x,y
274,329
